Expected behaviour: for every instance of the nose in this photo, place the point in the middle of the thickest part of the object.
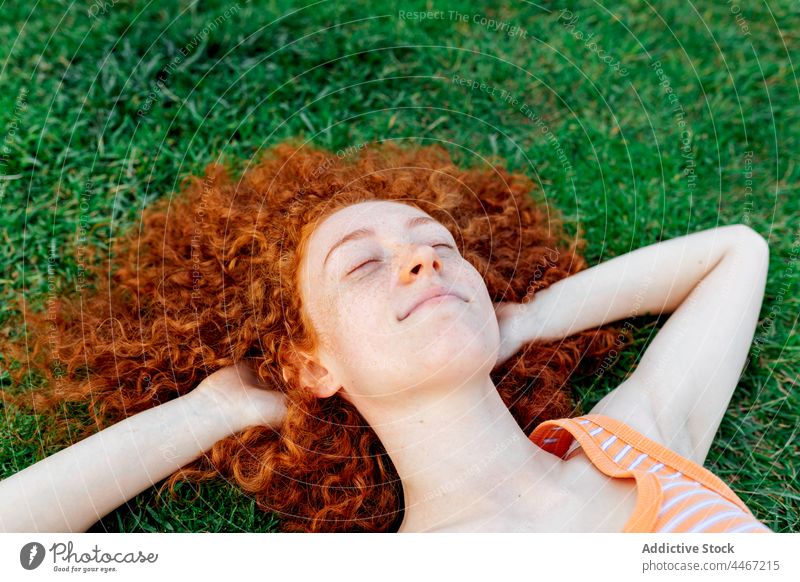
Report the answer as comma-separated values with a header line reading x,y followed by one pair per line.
x,y
421,261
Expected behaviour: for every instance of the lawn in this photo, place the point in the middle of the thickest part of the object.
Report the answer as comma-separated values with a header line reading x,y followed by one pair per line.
x,y
638,122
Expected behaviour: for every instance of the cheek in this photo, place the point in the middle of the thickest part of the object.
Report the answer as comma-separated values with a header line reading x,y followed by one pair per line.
x,y
363,318
355,326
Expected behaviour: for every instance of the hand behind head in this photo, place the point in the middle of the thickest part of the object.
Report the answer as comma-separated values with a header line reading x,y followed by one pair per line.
x,y
240,395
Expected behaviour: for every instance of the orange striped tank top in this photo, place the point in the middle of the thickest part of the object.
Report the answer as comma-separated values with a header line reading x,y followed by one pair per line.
x,y
674,494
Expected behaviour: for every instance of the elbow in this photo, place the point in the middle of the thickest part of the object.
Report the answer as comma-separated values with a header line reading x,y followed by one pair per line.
x,y
747,236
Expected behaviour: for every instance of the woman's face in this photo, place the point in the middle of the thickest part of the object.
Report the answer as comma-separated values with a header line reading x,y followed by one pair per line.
x,y
365,271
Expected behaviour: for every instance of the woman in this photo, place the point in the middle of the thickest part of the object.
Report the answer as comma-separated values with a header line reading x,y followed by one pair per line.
x,y
339,335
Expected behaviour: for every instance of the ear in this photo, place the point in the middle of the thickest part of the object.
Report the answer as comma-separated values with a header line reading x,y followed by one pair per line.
x,y
312,375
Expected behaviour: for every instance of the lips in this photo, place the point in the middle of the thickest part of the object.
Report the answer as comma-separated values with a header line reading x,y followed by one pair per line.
x,y
430,294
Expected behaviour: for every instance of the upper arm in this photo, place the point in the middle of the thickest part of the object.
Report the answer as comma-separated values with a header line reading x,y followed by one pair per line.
x,y
682,386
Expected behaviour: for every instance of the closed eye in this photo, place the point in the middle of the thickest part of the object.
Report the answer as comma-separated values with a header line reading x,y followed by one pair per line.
x,y
449,246
362,264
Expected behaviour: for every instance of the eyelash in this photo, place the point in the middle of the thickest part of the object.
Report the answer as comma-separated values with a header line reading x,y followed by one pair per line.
x,y
449,246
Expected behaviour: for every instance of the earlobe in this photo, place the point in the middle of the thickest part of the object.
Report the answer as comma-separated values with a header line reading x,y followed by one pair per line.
x,y
314,376
326,390
318,380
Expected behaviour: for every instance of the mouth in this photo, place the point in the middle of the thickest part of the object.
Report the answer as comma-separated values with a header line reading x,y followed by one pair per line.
x,y
434,295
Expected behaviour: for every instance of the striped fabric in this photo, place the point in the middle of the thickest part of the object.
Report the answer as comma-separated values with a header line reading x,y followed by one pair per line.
x,y
674,494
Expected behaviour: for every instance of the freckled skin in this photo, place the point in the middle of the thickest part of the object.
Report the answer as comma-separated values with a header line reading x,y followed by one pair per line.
x,y
364,348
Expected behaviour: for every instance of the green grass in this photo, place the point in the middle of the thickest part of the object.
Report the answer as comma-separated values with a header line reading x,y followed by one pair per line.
x,y
78,161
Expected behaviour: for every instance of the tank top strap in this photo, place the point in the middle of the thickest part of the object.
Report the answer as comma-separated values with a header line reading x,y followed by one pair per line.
x,y
560,437
620,451
565,434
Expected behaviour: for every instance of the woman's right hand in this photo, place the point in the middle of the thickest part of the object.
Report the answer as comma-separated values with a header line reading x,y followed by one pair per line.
x,y
242,397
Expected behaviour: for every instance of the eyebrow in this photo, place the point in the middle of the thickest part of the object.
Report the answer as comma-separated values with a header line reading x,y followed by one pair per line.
x,y
366,232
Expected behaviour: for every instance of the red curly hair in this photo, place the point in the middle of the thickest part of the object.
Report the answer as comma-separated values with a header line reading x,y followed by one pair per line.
x,y
209,278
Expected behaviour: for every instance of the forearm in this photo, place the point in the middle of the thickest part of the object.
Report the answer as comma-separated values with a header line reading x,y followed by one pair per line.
x,y
650,280
72,489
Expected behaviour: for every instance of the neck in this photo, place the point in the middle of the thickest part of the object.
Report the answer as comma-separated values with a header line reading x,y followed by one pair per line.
x,y
463,459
